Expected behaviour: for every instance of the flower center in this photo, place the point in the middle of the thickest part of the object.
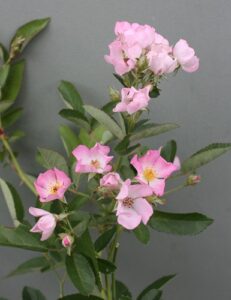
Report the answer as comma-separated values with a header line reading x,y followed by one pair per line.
x,y
128,202
54,188
149,174
95,163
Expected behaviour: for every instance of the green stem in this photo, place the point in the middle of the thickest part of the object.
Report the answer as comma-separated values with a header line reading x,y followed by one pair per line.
x,y
17,166
175,189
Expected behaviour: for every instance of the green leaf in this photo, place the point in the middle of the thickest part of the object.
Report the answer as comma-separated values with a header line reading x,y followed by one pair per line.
x,y
69,138
21,237
11,116
71,96
76,117
204,156
142,233
156,285
155,92
29,30
14,81
29,293
152,295
105,266
32,265
104,239
50,159
13,202
105,120
152,130
168,152
80,297
16,135
80,273
85,247
4,71
179,223
122,292
120,79
5,104
3,53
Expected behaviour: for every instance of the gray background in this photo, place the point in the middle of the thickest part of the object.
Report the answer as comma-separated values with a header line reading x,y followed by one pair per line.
x,y
72,48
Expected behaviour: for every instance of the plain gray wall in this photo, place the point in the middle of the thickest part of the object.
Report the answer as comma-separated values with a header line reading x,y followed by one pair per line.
x,y
73,48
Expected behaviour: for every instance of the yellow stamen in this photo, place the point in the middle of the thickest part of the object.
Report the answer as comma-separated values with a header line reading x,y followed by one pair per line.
x,y
149,174
54,188
95,163
128,202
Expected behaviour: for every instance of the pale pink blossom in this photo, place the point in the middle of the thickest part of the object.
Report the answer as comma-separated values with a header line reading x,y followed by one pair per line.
x,y
52,185
153,170
111,181
177,163
133,100
132,207
185,56
92,160
46,223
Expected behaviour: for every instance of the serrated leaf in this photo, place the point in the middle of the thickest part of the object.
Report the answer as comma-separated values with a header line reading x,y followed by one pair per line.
x,y
76,117
71,96
13,202
152,130
105,120
179,223
204,156
104,239
142,233
29,30
80,273
14,81
11,116
29,293
21,237
156,285
32,265
50,159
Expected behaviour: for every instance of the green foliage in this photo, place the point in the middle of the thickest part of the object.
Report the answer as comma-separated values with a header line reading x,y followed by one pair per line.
x,y
152,130
204,156
122,292
105,266
179,223
80,273
50,159
69,138
168,152
21,237
104,239
152,294
142,233
71,96
32,265
29,293
28,31
4,71
155,286
11,116
80,297
13,202
105,120
76,117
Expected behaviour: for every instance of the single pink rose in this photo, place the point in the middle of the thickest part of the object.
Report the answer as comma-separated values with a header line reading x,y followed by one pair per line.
x,y
46,223
93,160
153,170
111,180
132,207
52,185
185,56
133,100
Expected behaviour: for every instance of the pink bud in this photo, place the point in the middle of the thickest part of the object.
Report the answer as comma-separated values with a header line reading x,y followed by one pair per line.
x,y
67,241
193,179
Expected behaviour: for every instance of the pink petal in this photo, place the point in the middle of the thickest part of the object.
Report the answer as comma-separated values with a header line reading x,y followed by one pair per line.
x,y
158,186
129,220
143,208
38,212
163,168
139,191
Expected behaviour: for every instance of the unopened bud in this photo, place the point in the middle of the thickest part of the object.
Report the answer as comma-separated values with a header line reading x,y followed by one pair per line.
x,y
114,94
193,179
67,240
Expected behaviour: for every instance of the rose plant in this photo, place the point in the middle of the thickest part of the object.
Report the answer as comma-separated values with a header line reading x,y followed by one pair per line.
x,y
105,164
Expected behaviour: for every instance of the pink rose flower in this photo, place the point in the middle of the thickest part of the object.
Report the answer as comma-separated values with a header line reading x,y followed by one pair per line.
x,y
93,160
185,56
46,223
52,185
133,100
111,180
132,207
67,240
153,170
